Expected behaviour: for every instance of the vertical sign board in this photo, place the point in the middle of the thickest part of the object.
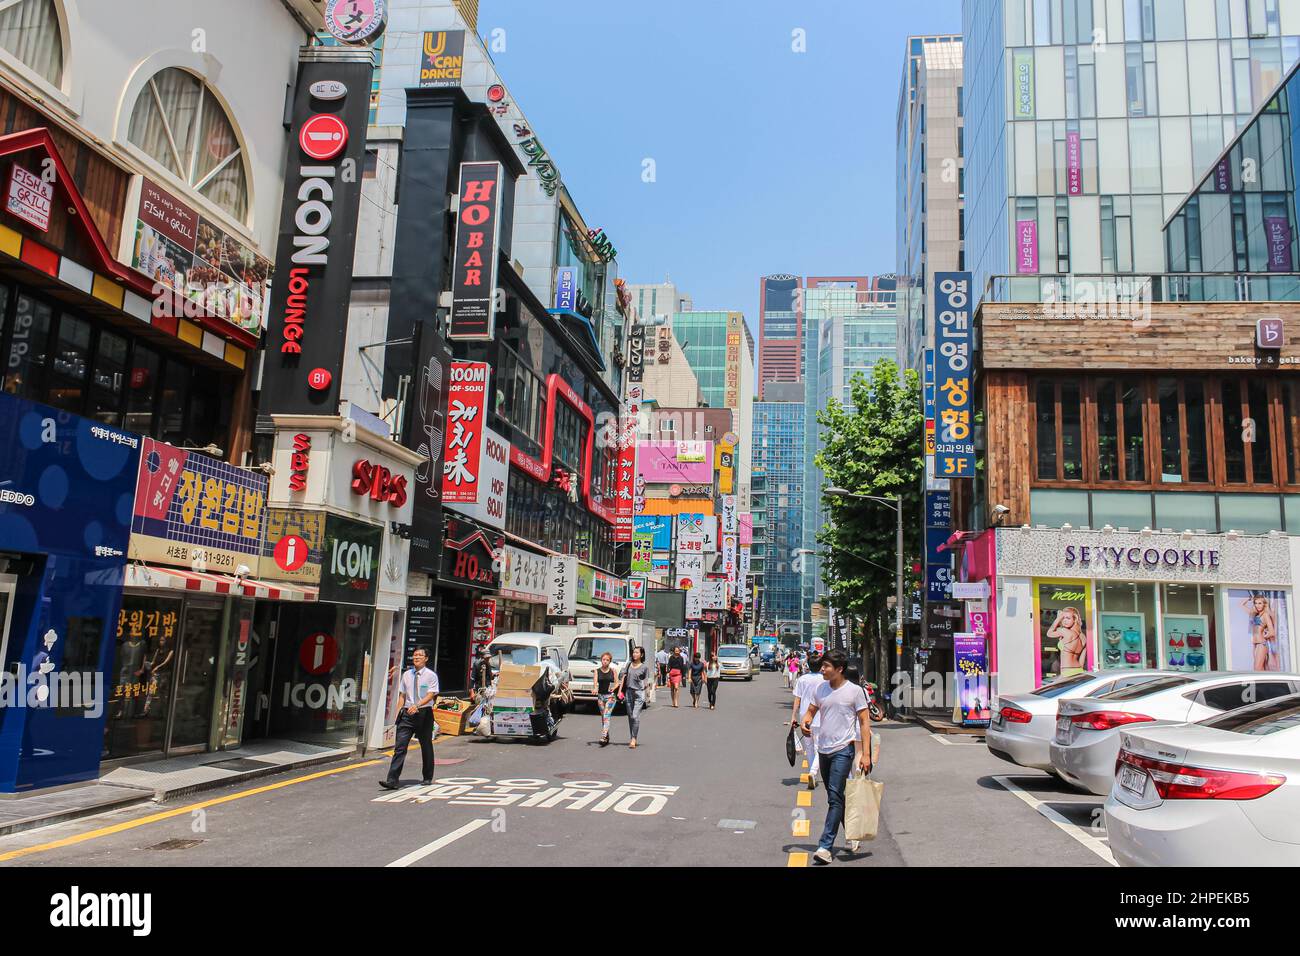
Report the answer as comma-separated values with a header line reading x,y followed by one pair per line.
x,y
466,414
625,486
970,655
634,594
423,615
636,353
953,375
927,398
474,254
643,552
428,426
307,320
938,564
563,590
442,59
566,289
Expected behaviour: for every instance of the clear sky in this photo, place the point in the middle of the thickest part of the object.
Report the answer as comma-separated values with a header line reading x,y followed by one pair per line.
x,y
765,159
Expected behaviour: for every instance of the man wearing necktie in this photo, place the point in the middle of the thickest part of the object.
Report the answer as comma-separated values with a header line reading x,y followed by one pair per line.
x,y
414,717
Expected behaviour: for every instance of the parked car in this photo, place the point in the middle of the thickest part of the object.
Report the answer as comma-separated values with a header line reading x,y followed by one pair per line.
x,y
532,648
1222,792
1023,724
1087,740
736,661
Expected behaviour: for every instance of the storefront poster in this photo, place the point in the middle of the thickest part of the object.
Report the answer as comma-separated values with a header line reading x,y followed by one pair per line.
x,y
1123,643
1258,630
195,511
1062,615
1186,645
972,673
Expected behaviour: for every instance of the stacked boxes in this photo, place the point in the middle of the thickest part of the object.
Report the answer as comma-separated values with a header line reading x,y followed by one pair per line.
x,y
516,704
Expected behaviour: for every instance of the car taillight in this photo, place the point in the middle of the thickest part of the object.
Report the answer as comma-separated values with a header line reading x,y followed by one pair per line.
x,y
1181,782
1014,716
1107,719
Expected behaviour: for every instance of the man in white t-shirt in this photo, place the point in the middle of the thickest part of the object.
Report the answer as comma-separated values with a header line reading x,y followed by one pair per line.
x,y
804,690
843,740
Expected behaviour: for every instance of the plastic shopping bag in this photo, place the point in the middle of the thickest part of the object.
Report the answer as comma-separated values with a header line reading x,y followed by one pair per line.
x,y
791,748
861,807
476,716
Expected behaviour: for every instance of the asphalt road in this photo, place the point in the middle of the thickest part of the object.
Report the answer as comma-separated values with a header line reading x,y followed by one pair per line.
x,y
704,788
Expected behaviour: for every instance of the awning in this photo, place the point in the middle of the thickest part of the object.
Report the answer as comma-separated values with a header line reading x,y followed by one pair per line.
x,y
139,575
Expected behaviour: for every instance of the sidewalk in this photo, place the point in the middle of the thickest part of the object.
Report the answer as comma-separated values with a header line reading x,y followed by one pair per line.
x,y
162,780
941,722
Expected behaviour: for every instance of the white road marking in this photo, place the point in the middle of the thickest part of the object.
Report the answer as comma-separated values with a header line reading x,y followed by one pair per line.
x,y
438,844
1095,844
967,740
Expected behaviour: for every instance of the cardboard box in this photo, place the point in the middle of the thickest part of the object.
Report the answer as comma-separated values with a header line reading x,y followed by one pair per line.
x,y
523,702
518,680
451,715
512,725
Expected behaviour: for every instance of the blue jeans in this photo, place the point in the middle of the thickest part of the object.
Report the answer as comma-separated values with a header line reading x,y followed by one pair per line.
x,y
835,769
635,703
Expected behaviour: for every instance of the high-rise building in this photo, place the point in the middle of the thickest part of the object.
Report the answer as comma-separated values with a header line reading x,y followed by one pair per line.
x,y
658,298
780,320
930,183
1087,124
779,435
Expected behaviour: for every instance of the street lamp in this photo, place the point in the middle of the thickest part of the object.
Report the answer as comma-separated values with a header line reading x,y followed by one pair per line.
x,y
897,504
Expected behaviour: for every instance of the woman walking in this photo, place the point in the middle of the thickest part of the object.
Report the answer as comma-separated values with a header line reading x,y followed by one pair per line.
x,y
791,670
697,680
676,668
607,687
636,679
713,674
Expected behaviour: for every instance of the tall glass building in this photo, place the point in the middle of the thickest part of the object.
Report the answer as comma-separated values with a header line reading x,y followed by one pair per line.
x,y
1087,123
779,454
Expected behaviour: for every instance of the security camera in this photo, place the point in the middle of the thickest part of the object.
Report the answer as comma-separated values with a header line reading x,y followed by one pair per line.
x,y
1001,510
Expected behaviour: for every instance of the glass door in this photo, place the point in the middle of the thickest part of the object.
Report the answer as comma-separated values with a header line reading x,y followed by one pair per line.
x,y
8,588
195,676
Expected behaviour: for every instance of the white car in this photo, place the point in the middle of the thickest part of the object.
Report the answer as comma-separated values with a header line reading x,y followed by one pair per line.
x,y
1224,792
1087,740
1023,724
734,660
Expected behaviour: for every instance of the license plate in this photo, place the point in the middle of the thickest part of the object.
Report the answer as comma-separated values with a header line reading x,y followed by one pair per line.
x,y
1063,726
1133,780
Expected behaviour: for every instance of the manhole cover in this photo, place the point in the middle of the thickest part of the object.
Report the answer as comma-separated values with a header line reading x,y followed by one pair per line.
x,y
174,845
584,775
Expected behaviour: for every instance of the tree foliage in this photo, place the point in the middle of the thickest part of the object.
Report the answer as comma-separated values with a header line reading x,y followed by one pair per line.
x,y
874,447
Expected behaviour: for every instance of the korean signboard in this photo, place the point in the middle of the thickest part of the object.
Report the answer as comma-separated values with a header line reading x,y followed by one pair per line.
x,y
563,589
701,524
643,552
938,563
690,571
293,545
524,574
442,58
492,486
659,527
307,318
955,440
731,385
474,256
598,587
1022,65
927,402
196,511
730,557
466,414
469,554
713,594
186,253
566,289
724,459
972,673
730,521
625,485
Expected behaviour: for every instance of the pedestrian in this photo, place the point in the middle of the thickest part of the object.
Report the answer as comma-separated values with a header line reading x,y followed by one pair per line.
x,y
805,690
636,679
414,718
697,680
791,671
676,669
713,674
843,741
661,661
482,672
607,688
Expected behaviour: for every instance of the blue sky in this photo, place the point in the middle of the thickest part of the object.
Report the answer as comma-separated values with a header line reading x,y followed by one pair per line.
x,y
766,160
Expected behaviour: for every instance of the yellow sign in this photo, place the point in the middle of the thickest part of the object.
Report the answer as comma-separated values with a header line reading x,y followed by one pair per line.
x,y
724,460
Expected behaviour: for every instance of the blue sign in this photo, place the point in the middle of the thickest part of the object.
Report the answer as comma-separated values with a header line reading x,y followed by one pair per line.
x,y
953,376
661,526
938,565
566,289
938,509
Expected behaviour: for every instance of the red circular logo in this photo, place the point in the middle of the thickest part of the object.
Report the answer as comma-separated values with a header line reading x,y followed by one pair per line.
x,y
318,654
290,553
319,379
323,136
496,92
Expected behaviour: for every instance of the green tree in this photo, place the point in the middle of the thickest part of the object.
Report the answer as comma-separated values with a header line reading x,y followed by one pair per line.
x,y
874,447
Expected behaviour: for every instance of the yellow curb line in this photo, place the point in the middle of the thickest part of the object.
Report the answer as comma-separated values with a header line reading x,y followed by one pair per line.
x,y
803,798
801,828
797,859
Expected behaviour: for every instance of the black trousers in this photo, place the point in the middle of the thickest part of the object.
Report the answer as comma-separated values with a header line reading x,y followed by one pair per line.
x,y
713,690
421,726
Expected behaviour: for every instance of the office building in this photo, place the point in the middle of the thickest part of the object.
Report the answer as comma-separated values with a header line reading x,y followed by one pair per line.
x,y
780,320
779,453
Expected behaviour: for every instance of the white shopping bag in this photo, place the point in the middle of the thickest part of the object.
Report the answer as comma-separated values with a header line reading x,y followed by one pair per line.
x,y
861,807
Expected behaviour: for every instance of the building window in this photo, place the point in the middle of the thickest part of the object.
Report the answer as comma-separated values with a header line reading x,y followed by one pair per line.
x,y
180,123
1059,414
29,29
1121,451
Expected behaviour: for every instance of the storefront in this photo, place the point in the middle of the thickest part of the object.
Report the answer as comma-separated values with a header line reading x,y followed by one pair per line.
x,y
66,488
1068,601
600,594
468,574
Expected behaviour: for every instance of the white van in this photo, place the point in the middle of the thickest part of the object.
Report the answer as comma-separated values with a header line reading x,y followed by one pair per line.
x,y
532,648
597,636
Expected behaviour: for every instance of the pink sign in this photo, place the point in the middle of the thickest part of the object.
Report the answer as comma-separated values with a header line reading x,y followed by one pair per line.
x,y
658,461
1026,245
979,622
746,529
1074,163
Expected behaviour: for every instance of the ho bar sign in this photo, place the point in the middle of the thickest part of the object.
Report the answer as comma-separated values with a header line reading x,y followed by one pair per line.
x,y
474,268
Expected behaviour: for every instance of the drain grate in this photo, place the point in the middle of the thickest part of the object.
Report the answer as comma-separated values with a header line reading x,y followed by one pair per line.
x,y
174,845
241,764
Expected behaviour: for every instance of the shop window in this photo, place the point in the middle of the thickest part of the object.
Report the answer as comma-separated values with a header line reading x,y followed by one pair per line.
x,y
172,402
1182,511
520,394
1247,444
28,342
181,125
29,29
1252,514
69,364
1127,624
1181,410
1121,452
142,388
108,379
1189,628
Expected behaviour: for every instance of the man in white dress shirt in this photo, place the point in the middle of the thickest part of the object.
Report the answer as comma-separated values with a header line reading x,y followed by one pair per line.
x,y
419,688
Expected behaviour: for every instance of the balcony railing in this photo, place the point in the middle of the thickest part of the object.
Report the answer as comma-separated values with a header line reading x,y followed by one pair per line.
x,y
1139,290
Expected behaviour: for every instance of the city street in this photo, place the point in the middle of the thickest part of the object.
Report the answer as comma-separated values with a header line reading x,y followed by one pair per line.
x,y
702,789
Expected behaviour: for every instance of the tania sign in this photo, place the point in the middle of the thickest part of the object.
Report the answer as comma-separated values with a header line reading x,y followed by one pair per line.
x,y
474,263
307,317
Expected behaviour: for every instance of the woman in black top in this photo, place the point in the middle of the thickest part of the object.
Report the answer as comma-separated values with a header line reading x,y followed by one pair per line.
x,y
607,687
676,670
697,679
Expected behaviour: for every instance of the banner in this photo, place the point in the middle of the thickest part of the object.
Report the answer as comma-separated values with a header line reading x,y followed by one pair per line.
x,y
493,484
466,414
1022,65
955,444
1026,246
474,255
659,527
730,557
643,548
625,485
1074,163
730,524
972,675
